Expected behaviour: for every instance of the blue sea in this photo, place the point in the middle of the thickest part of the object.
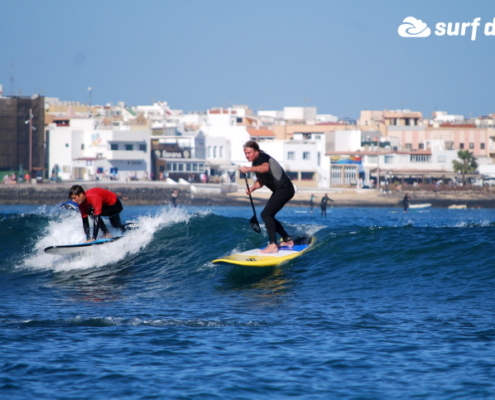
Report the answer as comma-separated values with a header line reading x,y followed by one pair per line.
x,y
387,305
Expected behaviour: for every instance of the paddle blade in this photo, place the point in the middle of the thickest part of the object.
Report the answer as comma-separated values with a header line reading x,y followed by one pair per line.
x,y
255,225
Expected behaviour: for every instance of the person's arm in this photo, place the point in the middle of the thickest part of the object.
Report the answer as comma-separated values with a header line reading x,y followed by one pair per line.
x,y
97,224
260,169
86,227
256,186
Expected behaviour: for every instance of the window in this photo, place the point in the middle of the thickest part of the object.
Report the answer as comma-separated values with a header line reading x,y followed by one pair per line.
x,y
82,146
114,146
291,155
215,152
188,167
306,155
389,159
292,175
482,146
461,146
67,145
181,167
220,153
209,151
307,176
142,147
471,146
409,146
129,147
420,158
421,146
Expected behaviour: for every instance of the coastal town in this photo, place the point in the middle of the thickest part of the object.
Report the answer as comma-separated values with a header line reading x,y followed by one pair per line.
x,y
52,141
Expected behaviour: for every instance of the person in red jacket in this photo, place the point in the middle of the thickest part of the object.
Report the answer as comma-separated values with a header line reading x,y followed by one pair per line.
x,y
97,203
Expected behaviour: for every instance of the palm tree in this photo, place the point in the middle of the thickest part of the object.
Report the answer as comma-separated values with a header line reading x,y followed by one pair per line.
x,y
466,165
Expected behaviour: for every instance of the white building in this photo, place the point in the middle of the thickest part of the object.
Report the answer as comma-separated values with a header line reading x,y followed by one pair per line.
x,y
83,148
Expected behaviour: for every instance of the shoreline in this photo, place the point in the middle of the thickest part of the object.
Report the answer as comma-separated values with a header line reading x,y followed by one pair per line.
x,y
159,193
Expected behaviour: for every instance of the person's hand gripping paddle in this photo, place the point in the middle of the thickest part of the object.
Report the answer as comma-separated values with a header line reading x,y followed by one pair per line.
x,y
253,221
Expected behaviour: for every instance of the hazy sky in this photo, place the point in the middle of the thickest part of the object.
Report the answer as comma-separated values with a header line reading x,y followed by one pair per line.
x,y
340,56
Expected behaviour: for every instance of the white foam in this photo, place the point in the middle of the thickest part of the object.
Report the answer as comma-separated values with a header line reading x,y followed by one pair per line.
x,y
67,229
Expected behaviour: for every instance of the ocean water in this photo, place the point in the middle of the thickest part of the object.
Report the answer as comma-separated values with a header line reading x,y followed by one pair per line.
x,y
387,305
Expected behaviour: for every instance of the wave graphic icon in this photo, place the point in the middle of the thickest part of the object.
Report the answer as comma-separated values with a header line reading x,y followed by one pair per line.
x,y
412,27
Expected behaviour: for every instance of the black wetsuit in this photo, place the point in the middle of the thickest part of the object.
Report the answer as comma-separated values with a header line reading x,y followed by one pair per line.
x,y
323,205
405,202
283,190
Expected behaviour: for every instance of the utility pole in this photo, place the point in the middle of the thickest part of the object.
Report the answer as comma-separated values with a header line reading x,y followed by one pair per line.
x,y
30,141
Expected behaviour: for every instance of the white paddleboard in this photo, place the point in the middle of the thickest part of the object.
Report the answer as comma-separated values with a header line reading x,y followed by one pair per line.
x,y
78,247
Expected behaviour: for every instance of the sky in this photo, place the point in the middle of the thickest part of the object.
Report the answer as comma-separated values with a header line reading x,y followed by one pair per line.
x,y
340,56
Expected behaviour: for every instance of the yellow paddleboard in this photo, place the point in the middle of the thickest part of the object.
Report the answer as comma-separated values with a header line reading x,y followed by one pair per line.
x,y
255,258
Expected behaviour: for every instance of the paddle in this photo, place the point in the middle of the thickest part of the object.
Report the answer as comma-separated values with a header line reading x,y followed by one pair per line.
x,y
253,221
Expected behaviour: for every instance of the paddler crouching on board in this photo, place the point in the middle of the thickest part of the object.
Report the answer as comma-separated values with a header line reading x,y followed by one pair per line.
x,y
269,173
98,203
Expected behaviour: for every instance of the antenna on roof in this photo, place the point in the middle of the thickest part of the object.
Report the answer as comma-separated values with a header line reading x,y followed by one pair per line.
x,y
12,78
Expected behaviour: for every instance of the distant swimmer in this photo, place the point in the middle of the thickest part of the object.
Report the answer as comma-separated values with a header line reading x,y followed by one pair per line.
x,y
405,202
269,173
97,203
324,200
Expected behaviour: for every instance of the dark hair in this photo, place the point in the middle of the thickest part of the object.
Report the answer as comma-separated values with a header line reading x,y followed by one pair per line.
x,y
76,190
252,145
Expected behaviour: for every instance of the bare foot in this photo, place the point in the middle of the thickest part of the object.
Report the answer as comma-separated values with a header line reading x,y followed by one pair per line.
x,y
290,243
271,248
108,236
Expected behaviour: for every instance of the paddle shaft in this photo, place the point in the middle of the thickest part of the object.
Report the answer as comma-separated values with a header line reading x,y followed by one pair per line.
x,y
250,197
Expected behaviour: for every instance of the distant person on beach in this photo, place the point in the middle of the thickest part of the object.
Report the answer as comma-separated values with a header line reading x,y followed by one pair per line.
x,y
175,194
312,202
269,173
324,200
97,203
405,202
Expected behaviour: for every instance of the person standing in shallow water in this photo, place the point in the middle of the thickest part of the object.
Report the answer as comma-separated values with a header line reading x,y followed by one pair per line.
x,y
175,194
312,202
323,205
269,173
405,202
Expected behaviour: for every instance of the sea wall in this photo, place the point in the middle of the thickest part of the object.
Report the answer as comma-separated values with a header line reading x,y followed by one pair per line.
x,y
154,193
131,194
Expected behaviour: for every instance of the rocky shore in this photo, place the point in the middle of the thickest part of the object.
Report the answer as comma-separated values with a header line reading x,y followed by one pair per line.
x,y
158,193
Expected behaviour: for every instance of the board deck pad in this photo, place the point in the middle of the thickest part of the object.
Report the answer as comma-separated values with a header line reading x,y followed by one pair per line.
x,y
78,247
255,258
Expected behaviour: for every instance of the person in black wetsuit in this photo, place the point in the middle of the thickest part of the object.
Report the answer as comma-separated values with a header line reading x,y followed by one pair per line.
x,y
324,200
269,173
405,202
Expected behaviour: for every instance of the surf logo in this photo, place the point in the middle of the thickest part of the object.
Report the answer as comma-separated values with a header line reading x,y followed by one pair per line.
x,y
412,27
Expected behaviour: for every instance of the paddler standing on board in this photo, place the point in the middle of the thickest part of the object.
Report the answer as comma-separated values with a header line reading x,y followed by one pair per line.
x,y
269,173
